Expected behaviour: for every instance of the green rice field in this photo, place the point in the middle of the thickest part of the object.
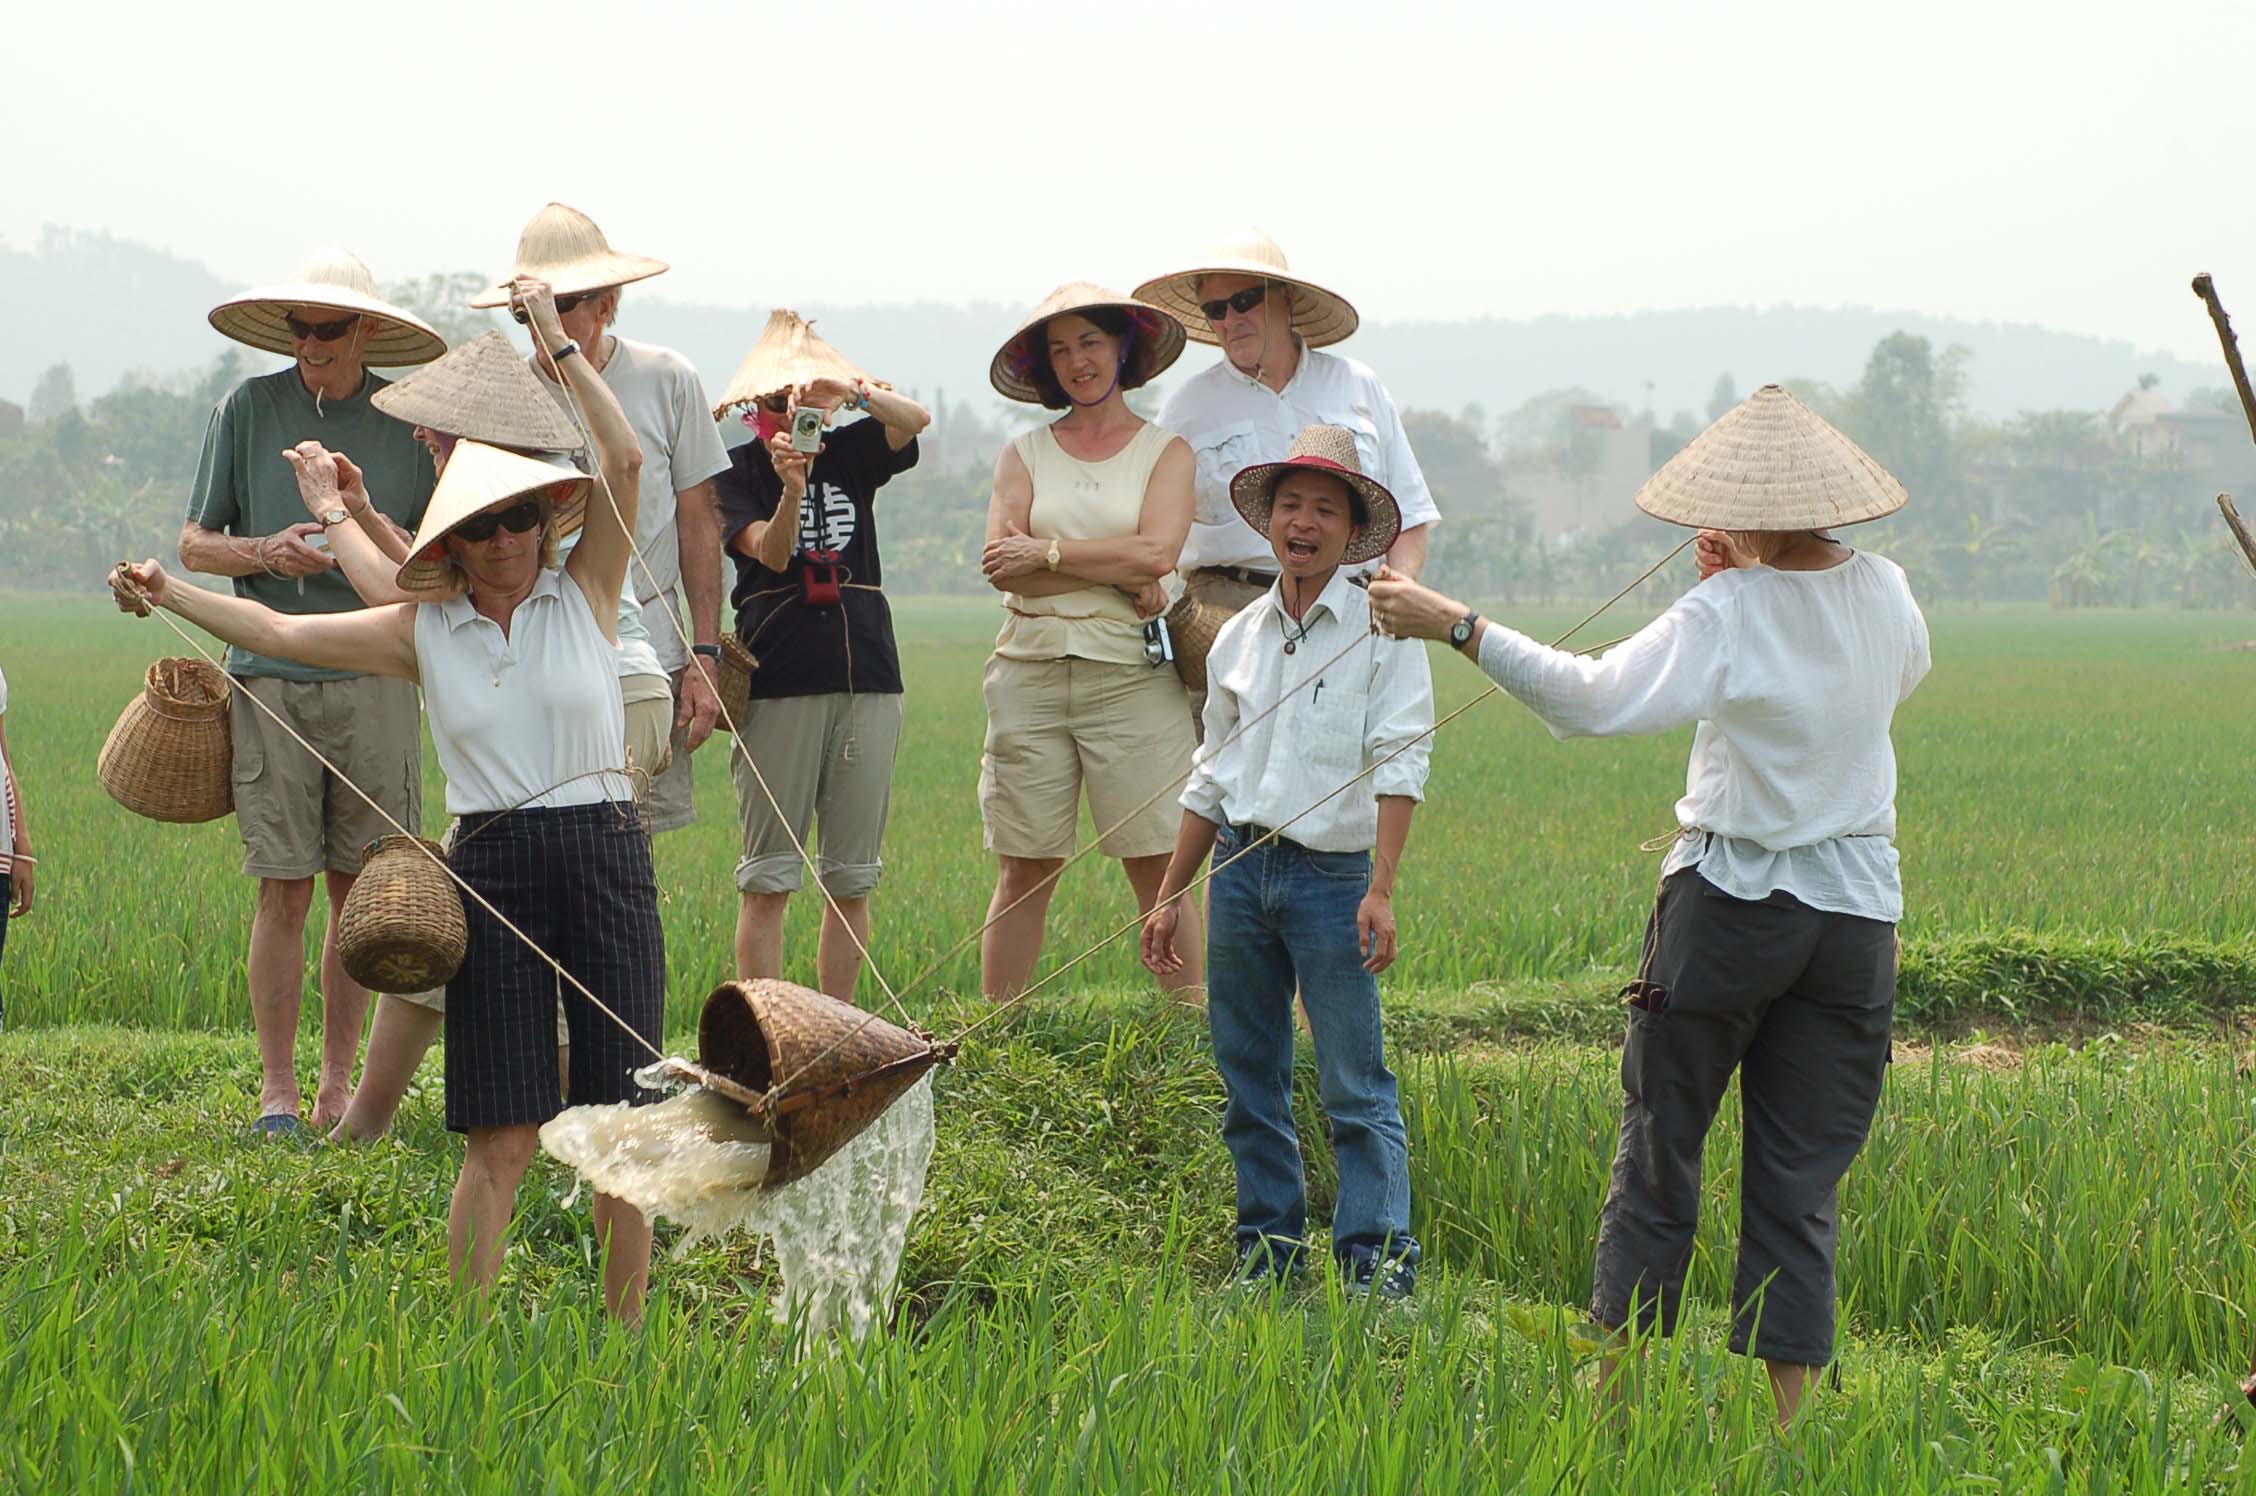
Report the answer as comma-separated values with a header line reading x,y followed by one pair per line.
x,y
2047,1265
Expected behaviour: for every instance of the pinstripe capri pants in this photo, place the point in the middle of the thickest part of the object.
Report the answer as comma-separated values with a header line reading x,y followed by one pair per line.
x,y
577,879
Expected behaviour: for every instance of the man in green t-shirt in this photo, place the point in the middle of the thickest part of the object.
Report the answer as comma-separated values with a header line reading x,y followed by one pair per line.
x,y
247,522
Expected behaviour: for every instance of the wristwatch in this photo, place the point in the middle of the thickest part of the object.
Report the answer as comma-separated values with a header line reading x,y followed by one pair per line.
x,y
1053,554
336,516
709,651
1461,632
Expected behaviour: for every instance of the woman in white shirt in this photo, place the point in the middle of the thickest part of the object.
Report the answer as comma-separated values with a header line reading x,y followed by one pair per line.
x,y
1086,522
1772,949
518,679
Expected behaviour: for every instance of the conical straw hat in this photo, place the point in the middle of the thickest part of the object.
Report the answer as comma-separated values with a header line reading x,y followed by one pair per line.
x,y
563,246
334,280
477,478
1318,315
790,353
1771,463
1159,341
1322,449
482,391
841,1067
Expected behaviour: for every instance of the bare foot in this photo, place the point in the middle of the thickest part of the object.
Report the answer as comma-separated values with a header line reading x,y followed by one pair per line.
x,y
329,1106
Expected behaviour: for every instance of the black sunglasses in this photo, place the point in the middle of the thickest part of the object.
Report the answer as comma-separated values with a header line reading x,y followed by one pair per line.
x,y
1241,302
320,332
777,403
564,304
516,519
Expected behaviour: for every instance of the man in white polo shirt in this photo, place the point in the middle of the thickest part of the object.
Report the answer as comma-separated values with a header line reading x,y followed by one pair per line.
x,y
678,528
1271,382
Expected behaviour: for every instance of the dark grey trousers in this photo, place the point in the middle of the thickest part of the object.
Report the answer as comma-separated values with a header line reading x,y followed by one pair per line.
x,y
1800,1002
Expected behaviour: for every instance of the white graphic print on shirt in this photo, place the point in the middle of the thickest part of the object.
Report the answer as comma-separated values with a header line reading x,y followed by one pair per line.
x,y
826,518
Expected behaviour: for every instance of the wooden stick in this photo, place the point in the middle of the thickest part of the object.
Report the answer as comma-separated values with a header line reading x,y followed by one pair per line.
x,y
2204,288
2239,527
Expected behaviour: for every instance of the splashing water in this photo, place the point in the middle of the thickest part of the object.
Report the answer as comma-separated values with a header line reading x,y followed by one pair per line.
x,y
700,1160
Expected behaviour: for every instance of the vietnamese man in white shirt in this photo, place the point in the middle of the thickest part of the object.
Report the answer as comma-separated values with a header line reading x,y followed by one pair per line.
x,y
1307,812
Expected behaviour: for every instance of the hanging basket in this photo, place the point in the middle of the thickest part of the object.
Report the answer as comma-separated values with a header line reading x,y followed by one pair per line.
x,y
1193,625
402,928
734,682
844,1066
171,755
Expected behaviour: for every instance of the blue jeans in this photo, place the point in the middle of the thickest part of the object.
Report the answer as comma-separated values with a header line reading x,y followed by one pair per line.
x,y
1277,915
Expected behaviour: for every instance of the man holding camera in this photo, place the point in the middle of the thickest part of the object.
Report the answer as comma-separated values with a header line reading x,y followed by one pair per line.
x,y
677,529
823,715
1271,383
246,521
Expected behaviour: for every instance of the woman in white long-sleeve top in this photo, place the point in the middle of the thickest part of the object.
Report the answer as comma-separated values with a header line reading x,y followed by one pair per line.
x,y
1772,949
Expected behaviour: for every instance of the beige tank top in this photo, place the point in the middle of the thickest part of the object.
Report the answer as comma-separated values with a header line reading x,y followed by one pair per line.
x,y
1076,500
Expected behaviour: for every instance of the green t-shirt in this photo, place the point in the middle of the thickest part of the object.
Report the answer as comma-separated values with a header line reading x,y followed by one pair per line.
x,y
245,486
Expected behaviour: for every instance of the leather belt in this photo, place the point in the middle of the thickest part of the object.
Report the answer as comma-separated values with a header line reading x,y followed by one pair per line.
x,y
1243,574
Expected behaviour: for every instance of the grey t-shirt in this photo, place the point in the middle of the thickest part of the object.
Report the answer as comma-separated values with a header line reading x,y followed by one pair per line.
x,y
245,486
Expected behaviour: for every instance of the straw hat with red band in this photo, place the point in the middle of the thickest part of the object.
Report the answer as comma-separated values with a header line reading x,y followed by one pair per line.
x,y
563,246
1323,449
1157,344
333,280
478,478
790,353
1320,317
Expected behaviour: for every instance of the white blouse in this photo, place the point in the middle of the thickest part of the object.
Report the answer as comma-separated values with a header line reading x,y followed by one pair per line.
x,y
1793,678
515,716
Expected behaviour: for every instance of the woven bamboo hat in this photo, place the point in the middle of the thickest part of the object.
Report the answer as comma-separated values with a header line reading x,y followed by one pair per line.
x,y
563,246
1318,315
1158,341
484,392
477,478
790,352
333,280
1323,449
1771,463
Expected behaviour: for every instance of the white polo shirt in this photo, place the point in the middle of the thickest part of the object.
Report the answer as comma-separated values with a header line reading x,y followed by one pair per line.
x,y
1233,421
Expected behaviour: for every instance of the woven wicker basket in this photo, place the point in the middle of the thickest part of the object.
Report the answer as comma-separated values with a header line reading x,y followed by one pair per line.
x,y
1193,625
402,928
171,756
845,1066
735,681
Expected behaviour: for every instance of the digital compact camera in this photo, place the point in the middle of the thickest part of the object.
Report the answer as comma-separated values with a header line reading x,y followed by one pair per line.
x,y
806,429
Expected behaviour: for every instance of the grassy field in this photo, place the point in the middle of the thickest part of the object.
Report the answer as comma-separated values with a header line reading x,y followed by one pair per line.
x,y
2047,1275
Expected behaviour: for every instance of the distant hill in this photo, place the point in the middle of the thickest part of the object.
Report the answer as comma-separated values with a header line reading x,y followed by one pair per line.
x,y
109,307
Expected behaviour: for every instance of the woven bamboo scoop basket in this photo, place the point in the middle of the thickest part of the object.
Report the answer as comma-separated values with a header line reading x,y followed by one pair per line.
x,y
171,756
402,928
734,682
1193,625
856,1065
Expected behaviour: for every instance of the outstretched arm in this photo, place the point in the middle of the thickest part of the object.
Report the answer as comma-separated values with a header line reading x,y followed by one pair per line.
x,y
374,641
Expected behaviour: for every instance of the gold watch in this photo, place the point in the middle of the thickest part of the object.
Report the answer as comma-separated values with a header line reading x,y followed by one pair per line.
x,y
1053,554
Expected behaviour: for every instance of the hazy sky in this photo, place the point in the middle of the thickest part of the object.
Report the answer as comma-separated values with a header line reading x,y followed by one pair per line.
x,y
2069,164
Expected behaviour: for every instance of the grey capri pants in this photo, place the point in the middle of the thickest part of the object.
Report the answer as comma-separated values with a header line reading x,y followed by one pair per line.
x,y
1801,1003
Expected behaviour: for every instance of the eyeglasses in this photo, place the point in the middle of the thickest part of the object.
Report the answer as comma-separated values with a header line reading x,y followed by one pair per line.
x,y
1241,302
320,332
777,403
564,304
516,519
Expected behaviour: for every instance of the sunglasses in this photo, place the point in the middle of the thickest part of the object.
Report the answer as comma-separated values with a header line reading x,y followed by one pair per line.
x,y
564,305
320,332
516,519
1241,302
777,404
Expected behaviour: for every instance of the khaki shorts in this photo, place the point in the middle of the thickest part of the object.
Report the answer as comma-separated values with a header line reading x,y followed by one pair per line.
x,y
650,724
826,759
670,803
1054,726
298,819
1217,590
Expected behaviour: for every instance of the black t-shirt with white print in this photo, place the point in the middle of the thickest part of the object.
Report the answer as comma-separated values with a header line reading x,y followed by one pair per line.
x,y
813,648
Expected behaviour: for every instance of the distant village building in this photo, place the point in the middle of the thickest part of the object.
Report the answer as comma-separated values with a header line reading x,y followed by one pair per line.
x,y
2210,444
11,419
1585,486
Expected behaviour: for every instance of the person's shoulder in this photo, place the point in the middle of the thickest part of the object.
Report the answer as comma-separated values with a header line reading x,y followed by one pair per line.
x,y
1238,628
1344,366
655,360
1191,405
259,389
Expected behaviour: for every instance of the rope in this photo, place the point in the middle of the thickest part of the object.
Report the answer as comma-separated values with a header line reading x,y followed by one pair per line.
x,y
122,581
666,602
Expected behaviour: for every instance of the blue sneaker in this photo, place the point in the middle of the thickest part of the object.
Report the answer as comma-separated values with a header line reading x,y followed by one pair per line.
x,y
1265,1265
1392,1278
280,1127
